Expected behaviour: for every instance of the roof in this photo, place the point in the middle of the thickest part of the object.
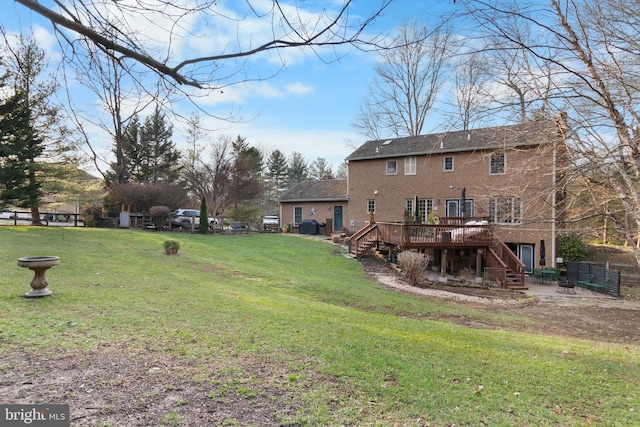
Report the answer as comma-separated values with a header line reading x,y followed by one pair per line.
x,y
317,191
524,134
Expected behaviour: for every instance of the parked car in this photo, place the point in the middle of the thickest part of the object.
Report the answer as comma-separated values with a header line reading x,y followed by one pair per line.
x,y
185,217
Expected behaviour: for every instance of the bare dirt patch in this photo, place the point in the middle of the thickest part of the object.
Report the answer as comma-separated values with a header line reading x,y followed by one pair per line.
x,y
121,385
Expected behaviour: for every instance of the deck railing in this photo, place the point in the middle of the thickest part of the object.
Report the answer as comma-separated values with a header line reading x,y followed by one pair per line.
x,y
508,259
436,235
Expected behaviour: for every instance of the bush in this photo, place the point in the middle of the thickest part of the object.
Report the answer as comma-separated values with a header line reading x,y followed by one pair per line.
x,y
203,226
335,238
141,197
414,265
160,215
171,247
571,247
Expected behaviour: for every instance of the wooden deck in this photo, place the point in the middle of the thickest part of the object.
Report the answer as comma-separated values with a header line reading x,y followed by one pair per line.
x,y
450,235
412,236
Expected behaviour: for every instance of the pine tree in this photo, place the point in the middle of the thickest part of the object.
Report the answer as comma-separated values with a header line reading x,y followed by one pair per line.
x,y
298,170
203,225
158,154
277,170
20,146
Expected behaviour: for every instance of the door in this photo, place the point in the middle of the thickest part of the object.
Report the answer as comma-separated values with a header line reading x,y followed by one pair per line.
x,y
526,256
337,218
453,207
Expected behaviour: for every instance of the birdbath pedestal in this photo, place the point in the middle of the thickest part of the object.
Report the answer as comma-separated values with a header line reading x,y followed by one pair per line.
x,y
38,264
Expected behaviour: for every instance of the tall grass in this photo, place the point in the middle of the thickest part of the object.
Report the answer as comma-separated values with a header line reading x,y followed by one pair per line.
x,y
366,354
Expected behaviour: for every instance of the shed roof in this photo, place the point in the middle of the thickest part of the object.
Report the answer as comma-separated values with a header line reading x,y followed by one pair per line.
x,y
319,190
523,134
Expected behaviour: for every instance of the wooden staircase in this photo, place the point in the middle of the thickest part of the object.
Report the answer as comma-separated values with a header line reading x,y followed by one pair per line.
x,y
364,240
514,269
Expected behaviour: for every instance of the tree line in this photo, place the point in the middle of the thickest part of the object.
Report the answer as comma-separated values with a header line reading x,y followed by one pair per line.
x,y
35,152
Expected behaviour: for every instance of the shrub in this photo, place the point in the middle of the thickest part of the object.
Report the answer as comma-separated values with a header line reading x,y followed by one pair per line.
x,y
335,238
414,265
203,226
347,240
160,215
141,197
171,247
571,247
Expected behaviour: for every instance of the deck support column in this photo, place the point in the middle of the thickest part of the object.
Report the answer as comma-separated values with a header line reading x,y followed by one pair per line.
x,y
479,262
443,263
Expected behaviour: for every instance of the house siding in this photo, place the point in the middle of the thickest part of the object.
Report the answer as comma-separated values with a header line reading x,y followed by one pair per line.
x,y
529,176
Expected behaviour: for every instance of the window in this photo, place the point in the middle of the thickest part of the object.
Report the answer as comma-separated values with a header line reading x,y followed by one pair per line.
x,y
497,164
371,206
505,210
410,165
448,164
392,167
297,215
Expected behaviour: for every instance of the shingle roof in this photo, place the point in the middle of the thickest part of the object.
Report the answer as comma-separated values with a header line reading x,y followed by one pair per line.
x,y
524,134
329,189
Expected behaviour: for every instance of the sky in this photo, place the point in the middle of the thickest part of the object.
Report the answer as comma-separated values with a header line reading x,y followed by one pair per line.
x,y
308,106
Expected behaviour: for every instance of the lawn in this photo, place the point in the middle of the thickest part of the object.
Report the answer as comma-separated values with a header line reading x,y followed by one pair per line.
x,y
353,352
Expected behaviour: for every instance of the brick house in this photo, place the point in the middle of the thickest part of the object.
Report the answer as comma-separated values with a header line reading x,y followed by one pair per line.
x,y
509,176
323,200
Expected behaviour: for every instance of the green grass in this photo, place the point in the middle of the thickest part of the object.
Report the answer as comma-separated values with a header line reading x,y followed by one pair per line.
x,y
354,351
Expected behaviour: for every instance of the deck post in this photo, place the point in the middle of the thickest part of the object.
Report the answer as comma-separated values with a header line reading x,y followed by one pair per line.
x,y
443,263
479,262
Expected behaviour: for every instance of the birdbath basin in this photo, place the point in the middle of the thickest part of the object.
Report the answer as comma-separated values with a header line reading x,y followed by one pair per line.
x,y
38,264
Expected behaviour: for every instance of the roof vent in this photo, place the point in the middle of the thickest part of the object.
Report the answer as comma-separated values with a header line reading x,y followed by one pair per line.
x,y
441,145
377,149
387,142
468,137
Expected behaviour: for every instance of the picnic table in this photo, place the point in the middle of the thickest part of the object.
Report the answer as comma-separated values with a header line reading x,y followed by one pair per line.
x,y
546,274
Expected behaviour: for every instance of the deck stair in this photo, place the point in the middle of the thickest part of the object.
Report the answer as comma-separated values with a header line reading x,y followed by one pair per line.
x,y
514,278
364,240
508,270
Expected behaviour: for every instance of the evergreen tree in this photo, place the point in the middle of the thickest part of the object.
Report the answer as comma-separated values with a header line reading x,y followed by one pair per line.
x,y
298,170
320,169
20,146
147,153
247,171
277,170
30,119
158,155
203,225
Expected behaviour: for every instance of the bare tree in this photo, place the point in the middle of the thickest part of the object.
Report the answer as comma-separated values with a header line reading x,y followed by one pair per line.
x,y
597,60
406,84
209,174
154,34
471,77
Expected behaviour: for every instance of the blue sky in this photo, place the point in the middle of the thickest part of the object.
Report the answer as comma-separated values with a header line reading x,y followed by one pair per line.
x,y
307,107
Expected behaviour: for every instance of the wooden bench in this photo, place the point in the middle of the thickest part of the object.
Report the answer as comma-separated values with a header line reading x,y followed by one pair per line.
x,y
587,281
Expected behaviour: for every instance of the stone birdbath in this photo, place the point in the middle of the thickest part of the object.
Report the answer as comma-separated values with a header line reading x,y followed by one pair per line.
x,y
38,264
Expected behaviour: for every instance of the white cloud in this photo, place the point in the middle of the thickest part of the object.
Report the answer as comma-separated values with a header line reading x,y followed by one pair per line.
x,y
299,88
